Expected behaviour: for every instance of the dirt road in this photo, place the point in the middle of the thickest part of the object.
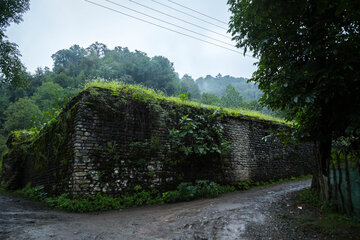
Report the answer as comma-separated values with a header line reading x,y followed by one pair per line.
x,y
231,216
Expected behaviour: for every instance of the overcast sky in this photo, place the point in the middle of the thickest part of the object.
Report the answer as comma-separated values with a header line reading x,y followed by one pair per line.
x,y
51,25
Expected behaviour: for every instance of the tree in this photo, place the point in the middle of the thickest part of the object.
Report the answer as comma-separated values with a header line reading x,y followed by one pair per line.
x,y
232,98
4,102
11,68
163,76
210,99
189,86
69,60
22,114
253,105
99,49
309,55
49,95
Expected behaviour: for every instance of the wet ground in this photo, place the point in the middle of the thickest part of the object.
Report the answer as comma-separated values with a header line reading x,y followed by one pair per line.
x,y
240,215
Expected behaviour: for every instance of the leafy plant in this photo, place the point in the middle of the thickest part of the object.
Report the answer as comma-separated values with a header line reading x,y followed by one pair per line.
x,y
183,96
187,191
200,136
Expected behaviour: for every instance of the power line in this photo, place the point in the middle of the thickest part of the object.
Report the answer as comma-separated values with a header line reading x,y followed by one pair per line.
x,y
198,12
190,15
169,29
182,20
158,19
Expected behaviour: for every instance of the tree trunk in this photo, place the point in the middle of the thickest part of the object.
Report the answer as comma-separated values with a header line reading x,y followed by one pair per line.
x,y
321,181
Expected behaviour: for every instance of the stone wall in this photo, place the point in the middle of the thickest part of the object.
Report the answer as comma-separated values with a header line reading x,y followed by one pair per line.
x,y
117,142
256,157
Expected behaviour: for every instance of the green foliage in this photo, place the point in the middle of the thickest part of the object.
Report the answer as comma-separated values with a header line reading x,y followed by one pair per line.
x,y
210,99
248,184
4,103
232,98
308,53
97,61
244,185
189,86
200,136
310,196
99,202
183,96
22,114
3,148
217,85
198,141
326,219
49,95
187,191
33,193
152,96
89,204
11,68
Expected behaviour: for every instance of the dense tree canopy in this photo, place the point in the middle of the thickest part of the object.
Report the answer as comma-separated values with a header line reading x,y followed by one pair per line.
x,y
11,68
218,84
232,98
189,86
210,99
309,65
76,64
22,114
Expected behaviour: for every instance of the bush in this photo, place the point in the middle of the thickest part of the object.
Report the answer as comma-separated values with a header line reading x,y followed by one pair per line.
x,y
187,191
184,192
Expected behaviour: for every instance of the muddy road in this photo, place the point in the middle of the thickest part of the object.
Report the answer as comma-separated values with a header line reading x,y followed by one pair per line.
x,y
230,216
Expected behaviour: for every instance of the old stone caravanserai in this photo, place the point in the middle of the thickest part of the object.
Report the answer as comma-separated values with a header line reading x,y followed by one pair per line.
x,y
110,141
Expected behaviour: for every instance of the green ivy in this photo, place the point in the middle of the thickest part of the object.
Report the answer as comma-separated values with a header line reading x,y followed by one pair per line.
x,y
198,140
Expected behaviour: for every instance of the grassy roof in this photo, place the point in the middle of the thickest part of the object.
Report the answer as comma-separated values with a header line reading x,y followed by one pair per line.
x,y
150,95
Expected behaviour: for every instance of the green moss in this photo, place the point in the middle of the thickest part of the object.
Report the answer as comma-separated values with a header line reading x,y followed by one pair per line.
x,y
152,96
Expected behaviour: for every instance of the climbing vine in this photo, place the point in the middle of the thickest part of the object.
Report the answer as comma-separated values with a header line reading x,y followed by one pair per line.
x,y
197,140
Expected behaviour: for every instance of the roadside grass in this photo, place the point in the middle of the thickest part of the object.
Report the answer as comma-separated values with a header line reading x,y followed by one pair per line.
x,y
185,191
320,217
245,185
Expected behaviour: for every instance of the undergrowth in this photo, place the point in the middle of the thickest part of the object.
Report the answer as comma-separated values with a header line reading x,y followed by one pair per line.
x,y
185,191
100,202
322,217
245,185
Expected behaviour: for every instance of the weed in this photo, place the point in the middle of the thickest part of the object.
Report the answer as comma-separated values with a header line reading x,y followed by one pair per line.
x,y
321,217
100,202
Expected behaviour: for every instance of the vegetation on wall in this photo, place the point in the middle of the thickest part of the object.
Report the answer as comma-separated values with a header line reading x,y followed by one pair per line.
x,y
197,141
152,96
47,91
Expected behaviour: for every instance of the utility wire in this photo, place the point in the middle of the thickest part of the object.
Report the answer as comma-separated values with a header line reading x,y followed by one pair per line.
x,y
160,20
182,20
198,12
190,15
169,29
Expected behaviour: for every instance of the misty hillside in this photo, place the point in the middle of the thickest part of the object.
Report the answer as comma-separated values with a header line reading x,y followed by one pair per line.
x,y
217,85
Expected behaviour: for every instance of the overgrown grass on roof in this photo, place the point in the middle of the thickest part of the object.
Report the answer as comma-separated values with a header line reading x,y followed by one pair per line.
x,y
151,95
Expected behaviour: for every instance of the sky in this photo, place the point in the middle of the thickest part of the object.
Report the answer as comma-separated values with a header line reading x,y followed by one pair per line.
x,y
52,25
